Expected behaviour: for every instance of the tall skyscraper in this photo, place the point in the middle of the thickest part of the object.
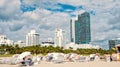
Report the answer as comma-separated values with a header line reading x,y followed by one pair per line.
x,y
59,37
80,28
32,38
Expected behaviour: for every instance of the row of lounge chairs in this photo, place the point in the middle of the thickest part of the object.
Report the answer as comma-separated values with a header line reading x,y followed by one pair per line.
x,y
19,59
50,57
60,58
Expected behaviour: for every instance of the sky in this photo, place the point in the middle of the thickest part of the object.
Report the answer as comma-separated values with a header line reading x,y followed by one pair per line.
x,y
18,17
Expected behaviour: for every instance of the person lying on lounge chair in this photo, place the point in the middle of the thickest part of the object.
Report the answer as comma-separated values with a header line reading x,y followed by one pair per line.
x,y
27,61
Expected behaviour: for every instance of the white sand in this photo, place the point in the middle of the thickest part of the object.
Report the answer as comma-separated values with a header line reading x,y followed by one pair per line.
x,y
72,64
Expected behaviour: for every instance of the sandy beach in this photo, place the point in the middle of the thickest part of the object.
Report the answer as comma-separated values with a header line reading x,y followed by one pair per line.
x,y
72,64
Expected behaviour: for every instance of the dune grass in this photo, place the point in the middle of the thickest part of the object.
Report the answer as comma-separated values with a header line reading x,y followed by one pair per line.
x,y
6,55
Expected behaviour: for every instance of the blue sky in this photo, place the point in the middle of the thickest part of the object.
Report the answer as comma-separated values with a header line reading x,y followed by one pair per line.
x,y
18,17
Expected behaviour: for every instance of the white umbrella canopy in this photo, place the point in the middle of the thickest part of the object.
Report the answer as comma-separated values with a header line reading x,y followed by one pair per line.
x,y
24,54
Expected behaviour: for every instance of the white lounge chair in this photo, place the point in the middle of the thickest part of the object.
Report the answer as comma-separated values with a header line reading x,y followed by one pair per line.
x,y
82,59
2,61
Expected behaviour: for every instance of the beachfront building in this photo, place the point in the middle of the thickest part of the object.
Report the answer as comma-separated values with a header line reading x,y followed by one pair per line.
x,y
32,38
59,37
81,46
80,28
20,43
113,43
5,41
48,42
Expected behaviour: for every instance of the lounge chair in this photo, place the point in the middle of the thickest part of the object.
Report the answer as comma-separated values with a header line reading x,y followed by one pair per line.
x,y
2,61
58,59
82,59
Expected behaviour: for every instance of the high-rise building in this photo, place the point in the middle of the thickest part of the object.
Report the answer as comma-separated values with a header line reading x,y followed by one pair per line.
x,y
113,43
80,28
59,37
32,38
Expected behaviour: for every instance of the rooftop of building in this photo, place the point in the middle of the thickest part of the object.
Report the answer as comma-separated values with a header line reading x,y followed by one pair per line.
x,y
79,13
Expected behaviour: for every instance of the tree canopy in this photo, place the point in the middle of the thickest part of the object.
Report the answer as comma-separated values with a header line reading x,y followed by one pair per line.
x,y
38,49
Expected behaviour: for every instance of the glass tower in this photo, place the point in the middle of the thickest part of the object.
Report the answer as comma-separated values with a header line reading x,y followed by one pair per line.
x,y
80,29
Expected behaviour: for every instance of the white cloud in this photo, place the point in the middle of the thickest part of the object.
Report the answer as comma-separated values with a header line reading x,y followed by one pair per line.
x,y
10,10
76,3
31,15
2,3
